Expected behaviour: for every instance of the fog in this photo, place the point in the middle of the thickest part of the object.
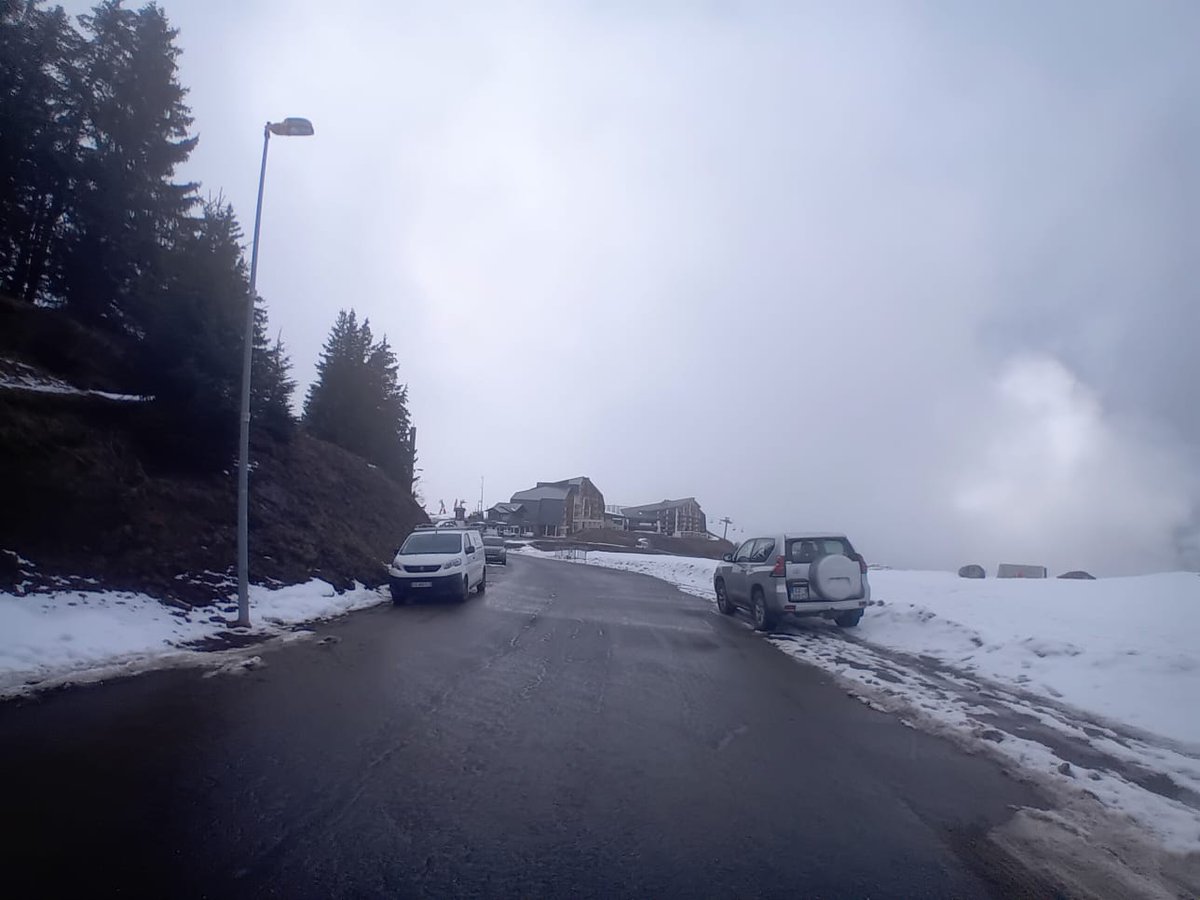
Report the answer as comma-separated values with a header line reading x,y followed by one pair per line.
x,y
921,273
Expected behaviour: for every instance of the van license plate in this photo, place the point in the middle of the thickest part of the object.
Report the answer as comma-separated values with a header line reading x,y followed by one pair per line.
x,y
417,584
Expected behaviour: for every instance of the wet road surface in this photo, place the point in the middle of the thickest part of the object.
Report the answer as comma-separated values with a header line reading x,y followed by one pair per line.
x,y
574,732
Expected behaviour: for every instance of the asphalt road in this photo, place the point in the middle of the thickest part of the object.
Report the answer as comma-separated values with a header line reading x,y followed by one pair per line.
x,y
574,732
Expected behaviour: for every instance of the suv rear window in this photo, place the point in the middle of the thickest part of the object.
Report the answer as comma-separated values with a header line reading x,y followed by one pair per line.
x,y
433,542
805,550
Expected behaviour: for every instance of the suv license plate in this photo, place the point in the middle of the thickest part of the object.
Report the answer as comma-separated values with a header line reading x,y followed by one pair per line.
x,y
417,584
799,592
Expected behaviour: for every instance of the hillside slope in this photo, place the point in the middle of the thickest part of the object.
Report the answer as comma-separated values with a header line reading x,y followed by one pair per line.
x,y
80,498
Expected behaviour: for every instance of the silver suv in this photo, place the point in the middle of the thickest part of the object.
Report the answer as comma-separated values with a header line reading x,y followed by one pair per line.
x,y
817,574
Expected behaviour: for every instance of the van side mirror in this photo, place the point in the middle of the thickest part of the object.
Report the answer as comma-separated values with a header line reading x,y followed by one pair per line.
x,y
728,557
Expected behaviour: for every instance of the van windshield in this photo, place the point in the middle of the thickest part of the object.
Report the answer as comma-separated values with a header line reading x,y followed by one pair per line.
x,y
432,542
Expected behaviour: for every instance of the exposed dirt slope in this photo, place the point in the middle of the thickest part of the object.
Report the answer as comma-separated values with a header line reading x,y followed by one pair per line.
x,y
79,498
54,343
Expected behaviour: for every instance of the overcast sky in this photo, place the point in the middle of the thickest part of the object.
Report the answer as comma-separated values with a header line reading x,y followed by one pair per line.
x,y
922,272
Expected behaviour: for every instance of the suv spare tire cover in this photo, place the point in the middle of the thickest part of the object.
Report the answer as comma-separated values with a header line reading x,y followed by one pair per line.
x,y
835,577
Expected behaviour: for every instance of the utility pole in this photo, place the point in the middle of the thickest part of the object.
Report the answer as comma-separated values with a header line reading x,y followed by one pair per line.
x,y
726,521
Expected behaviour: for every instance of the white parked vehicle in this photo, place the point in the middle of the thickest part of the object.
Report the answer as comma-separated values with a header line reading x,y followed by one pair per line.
x,y
438,562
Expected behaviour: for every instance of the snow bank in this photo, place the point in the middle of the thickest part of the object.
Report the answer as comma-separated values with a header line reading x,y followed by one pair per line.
x,y
1127,649
46,637
306,602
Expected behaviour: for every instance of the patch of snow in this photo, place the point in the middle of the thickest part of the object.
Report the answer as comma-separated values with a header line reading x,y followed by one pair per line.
x,y
124,398
46,637
21,561
18,376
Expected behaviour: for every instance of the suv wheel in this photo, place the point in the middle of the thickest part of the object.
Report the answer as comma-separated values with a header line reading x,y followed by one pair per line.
x,y
723,602
848,619
764,619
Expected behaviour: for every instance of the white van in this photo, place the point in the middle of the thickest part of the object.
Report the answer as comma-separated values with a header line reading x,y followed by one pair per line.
x,y
438,562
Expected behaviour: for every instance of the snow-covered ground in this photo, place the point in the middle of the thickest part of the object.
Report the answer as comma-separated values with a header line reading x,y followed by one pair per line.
x,y
1125,648
52,638
1088,687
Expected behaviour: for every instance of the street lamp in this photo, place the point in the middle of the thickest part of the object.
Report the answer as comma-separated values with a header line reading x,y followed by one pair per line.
x,y
290,127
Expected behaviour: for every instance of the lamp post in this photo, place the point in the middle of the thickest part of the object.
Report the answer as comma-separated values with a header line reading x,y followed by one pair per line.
x,y
290,127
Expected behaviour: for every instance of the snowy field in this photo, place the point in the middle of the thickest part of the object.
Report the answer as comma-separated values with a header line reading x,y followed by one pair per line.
x,y
54,638
1124,648
1087,687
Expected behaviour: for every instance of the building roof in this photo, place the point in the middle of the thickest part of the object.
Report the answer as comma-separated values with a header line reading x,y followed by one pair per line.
x,y
544,491
551,490
651,508
566,482
506,507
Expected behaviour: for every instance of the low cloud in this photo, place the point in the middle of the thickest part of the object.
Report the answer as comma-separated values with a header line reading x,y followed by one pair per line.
x,y
925,275
1056,479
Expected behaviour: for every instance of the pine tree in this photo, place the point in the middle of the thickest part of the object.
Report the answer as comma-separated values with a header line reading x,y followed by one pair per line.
x,y
390,437
38,141
92,128
191,354
357,401
329,408
125,209
271,383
